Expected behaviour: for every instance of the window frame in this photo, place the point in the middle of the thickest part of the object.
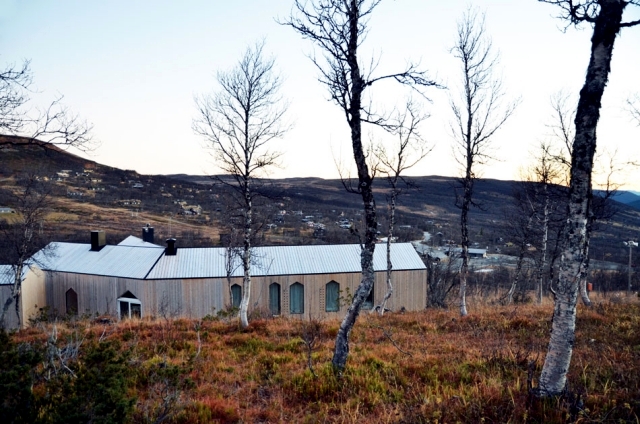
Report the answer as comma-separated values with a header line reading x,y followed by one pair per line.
x,y
233,298
327,301
298,287
129,301
279,311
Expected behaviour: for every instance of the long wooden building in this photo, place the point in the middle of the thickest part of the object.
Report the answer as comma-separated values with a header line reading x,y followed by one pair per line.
x,y
140,279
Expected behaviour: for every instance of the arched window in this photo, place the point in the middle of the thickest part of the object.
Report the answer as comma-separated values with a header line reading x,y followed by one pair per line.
x,y
368,302
296,298
129,306
332,297
72,302
274,298
236,295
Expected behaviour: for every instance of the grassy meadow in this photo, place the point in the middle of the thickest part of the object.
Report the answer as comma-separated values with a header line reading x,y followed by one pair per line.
x,y
419,367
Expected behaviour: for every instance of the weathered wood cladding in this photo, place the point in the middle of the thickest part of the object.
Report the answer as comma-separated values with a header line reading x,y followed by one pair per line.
x,y
409,291
193,298
196,298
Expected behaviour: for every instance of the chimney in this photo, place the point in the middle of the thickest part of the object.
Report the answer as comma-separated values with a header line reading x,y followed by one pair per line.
x,y
147,234
171,247
98,240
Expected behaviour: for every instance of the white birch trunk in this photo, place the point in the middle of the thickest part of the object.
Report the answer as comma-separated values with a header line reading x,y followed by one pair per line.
x,y
392,221
246,258
545,237
556,365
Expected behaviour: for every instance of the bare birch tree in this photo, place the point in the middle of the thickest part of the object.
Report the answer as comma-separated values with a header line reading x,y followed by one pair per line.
x,y
605,17
392,163
238,121
338,28
25,237
520,220
546,174
478,114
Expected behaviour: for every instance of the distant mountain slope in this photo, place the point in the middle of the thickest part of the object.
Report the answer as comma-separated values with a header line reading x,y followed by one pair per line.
x,y
191,207
624,197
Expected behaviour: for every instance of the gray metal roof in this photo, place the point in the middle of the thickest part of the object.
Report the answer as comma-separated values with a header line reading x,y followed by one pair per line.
x,y
141,260
114,261
283,260
136,242
6,274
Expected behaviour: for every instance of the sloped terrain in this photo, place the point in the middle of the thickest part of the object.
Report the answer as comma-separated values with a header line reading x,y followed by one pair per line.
x,y
195,209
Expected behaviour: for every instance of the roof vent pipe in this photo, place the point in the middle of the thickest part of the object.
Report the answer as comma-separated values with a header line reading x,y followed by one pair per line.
x,y
98,240
171,247
147,233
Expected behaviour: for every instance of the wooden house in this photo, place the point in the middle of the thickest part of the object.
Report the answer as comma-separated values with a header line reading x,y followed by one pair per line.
x,y
32,296
140,279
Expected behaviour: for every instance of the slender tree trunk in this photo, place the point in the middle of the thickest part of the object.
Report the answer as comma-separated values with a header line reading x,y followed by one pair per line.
x,y
554,372
246,257
341,351
392,222
584,272
464,225
523,247
543,246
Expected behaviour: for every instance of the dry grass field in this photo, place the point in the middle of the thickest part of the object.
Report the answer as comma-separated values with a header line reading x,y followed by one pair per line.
x,y
430,366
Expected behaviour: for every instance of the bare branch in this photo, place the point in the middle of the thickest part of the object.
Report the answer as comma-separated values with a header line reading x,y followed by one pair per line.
x,y
633,104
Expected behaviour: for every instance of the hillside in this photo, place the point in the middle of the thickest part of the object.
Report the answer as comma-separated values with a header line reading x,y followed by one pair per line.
x,y
196,210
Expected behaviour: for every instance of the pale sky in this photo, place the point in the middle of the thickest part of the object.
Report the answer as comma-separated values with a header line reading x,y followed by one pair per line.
x,y
132,68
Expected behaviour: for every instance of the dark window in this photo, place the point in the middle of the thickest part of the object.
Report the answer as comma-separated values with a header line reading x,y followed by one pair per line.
x,y
72,302
236,294
129,306
274,298
296,298
332,297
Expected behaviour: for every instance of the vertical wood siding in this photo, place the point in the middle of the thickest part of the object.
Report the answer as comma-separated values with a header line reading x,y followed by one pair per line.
x,y
196,298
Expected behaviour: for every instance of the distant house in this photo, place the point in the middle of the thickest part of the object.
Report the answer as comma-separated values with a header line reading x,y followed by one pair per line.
x,y
473,253
477,253
129,202
6,210
137,278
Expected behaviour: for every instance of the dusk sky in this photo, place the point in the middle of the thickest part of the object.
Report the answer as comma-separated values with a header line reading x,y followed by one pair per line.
x,y
132,68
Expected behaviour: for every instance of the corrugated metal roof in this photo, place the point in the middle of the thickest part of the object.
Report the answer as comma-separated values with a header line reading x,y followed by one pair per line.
x,y
136,242
283,260
147,261
6,274
114,261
